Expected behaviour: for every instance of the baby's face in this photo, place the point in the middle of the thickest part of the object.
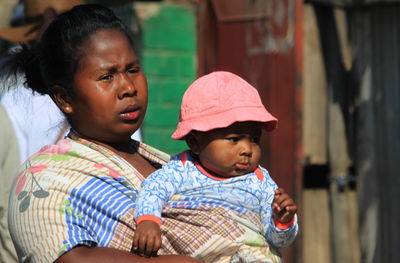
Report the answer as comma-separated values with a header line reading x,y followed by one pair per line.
x,y
231,151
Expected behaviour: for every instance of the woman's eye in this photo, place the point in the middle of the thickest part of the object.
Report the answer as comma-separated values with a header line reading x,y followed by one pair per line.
x,y
106,77
255,140
133,70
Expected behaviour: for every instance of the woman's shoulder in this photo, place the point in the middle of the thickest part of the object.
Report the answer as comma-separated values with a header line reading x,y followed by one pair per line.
x,y
62,147
155,156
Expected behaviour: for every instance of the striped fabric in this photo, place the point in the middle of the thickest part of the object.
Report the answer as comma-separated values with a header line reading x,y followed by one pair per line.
x,y
74,193
213,219
215,235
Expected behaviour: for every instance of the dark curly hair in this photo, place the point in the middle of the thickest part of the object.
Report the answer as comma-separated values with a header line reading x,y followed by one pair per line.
x,y
55,58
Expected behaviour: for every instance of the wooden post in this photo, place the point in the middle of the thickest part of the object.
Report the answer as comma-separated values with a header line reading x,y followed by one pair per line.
x,y
6,10
344,237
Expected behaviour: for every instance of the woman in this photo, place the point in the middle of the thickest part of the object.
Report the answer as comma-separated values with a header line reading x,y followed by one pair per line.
x,y
73,202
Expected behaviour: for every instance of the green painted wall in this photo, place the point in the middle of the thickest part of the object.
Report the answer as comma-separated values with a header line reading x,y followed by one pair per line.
x,y
169,61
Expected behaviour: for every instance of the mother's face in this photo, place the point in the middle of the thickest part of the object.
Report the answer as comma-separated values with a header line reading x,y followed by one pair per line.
x,y
109,98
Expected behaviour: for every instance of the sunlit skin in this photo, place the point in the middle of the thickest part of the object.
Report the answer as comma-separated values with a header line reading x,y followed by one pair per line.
x,y
225,153
109,97
228,152
110,89
107,106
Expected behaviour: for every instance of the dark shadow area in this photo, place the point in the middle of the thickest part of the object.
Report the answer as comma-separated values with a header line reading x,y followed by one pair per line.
x,y
316,176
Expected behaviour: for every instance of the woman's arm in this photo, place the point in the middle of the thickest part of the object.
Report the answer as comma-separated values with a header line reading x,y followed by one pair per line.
x,y
110,255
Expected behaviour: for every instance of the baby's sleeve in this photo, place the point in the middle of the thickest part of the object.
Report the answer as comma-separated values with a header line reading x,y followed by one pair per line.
x,y
274,235
156,190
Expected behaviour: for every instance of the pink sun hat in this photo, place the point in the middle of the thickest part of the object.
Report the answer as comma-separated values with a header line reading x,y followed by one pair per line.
x,y
217,100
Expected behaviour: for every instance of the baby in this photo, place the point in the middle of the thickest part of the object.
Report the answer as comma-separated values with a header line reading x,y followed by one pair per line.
x,y
221,120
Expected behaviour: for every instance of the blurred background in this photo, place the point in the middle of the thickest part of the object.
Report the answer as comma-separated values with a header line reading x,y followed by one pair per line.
x,y
329,70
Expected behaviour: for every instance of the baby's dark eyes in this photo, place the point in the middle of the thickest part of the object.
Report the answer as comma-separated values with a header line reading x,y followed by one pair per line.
x,y
233,139
238,138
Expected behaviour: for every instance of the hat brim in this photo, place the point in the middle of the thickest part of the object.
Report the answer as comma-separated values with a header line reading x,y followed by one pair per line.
x,y
225,119
19,34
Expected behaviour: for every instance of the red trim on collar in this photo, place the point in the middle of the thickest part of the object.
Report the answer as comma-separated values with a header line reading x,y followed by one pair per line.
x,y
257,171
208,174
184,157
259,174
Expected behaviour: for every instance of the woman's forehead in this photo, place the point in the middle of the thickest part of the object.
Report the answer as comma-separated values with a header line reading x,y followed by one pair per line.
x,y
107,49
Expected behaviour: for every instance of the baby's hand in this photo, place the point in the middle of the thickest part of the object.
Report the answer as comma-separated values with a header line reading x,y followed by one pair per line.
x,y
283,207
147,239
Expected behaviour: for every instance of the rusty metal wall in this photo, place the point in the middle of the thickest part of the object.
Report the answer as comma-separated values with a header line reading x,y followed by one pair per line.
x,y
261,41
352,3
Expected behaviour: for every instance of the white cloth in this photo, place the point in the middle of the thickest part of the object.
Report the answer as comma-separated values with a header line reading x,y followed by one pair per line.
x,y
36,120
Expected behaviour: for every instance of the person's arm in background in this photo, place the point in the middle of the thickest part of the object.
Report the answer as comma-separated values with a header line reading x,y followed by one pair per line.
x,y
9,165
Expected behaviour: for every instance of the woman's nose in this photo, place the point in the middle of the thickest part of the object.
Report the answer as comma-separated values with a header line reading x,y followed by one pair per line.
x,y
127,86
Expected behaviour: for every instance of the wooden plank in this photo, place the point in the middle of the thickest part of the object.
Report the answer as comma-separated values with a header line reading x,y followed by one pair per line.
x,y
6,10
316,226
344,240
376,67
386,94
364,147
314,126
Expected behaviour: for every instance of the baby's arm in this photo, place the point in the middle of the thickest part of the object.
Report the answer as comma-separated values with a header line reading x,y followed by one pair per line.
x,y
157,189
278,215
283,208
147,238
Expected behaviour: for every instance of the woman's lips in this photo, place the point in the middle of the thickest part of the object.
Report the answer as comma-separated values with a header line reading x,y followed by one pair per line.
x,y
130,113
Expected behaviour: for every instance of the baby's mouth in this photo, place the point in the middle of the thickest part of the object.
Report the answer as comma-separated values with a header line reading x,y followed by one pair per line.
x,y
242,166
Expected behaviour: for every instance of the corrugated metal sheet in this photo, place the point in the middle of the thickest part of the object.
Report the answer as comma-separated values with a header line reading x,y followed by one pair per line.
x,y
263,51
352,3
375,41
266,50
239,10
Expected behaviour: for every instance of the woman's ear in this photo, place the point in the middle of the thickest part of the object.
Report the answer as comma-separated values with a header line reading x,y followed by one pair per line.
x,y
62,99
192,141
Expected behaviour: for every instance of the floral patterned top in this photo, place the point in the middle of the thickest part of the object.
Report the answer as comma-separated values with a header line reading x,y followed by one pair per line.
x,y
75,193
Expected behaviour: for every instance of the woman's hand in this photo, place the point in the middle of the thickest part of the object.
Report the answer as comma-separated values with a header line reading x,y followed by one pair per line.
x,y
283,206
176,259
147,239
111,255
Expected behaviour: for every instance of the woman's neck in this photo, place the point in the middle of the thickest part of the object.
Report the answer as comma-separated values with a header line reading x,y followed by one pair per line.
x,y
128,150
119,147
